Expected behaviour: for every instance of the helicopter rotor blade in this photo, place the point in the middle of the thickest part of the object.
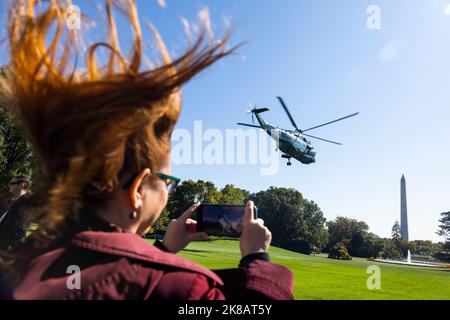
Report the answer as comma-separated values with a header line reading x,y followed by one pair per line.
x,y
288,113
325,124
249,125
329,141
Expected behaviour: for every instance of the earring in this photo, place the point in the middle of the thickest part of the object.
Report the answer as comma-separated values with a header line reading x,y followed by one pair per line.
x,y
133,214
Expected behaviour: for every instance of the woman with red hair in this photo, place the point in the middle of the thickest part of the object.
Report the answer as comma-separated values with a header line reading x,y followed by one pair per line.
x,y
103,142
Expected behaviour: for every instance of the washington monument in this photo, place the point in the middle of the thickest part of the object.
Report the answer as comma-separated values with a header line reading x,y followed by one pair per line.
x,y
403,210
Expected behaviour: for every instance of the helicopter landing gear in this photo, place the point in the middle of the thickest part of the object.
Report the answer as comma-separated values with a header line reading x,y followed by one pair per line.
x,y
288,159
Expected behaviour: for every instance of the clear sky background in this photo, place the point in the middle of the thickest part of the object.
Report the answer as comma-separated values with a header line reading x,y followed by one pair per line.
x,y
321,57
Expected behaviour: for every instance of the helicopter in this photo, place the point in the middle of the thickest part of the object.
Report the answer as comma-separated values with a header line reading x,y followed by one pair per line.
x,y
292,143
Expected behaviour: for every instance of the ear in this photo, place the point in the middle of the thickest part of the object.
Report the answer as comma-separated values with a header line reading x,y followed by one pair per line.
x,y
134,190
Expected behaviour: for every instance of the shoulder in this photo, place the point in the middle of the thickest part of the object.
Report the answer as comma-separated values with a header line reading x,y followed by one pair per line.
x,y
132,246
159,275
19,209
116,266
22,202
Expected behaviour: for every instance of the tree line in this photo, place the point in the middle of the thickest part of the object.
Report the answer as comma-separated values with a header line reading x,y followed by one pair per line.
x,y
298,224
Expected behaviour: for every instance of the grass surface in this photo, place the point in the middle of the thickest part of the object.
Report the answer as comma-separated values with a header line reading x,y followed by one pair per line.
x,y
318,277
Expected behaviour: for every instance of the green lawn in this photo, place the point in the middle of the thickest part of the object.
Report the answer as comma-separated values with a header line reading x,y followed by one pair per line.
x,y
318,277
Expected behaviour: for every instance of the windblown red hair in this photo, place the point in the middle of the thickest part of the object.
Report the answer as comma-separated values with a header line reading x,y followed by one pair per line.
x,y
89,129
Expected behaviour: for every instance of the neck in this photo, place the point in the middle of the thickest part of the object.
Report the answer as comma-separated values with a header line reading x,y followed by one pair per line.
x,y
115,213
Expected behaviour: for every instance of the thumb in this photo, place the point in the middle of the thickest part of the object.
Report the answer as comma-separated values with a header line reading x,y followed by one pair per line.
x,y
198,236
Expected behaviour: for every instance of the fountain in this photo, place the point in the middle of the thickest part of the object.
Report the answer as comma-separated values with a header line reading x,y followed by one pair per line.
x,y
408,259
409,262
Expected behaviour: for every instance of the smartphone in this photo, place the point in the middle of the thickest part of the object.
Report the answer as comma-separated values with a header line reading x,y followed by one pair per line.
x,y
225,220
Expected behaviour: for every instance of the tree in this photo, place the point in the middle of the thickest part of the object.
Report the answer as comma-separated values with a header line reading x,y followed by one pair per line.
x,y
295,222
366,245
390,251
342,230
423,247
314,232
233,195
281,209
16,157
401,244
188,193
396,230
444,253
373,245
444,226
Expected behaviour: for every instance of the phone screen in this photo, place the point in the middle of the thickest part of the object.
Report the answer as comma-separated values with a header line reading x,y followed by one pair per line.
x,y
221,220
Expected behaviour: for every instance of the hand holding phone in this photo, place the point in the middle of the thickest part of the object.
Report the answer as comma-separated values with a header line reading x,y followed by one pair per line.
x,y
222,220
236,221
182,231
255,236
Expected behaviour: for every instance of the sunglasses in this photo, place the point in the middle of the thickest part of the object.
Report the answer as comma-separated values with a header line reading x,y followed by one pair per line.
x,y
170,181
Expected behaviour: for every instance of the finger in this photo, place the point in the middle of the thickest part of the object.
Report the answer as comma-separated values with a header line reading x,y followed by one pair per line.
x,y
260,222
188,213
198,236
191,221
249,207
191,227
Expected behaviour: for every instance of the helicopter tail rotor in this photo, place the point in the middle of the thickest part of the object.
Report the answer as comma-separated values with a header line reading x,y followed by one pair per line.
x,y
256,110
250,110
253,116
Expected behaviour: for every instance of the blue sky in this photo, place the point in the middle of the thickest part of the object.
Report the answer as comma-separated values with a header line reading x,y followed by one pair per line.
x,y
321,57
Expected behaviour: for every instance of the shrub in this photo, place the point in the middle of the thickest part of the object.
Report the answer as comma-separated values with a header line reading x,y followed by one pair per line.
x,y
339,252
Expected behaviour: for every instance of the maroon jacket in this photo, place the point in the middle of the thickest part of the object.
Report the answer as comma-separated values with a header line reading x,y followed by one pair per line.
x,y
116,264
